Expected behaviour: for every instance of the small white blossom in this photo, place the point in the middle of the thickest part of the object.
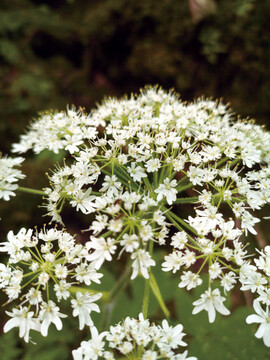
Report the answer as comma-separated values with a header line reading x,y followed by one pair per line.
x,y
262,317
83,305
211,301
23,319
167,190
49,313
142,261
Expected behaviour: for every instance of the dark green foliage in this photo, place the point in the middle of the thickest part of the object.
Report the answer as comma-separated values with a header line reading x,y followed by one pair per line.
x,y
53,53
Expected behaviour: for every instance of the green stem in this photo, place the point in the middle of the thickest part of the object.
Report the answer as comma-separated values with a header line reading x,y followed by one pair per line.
x,y
188,200
146,298
220,162
184,178
168,214
157,293
32,191
226,159
121,283
155,174
83,290
181,221
185,187
147,286
29,281
122,172
161,176
165,211
96,193
204,262
147,183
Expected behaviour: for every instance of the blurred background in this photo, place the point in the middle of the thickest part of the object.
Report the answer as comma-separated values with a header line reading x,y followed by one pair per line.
x,y
59,52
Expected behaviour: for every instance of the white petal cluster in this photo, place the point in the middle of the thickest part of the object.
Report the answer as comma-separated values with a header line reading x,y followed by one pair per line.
x,y
134,165
135,336
9,175
64,130
41,263
254,276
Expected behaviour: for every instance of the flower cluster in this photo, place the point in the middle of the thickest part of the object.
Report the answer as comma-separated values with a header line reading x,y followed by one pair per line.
x,y
42,263
135,339
133,164
60,131
9,175
255,278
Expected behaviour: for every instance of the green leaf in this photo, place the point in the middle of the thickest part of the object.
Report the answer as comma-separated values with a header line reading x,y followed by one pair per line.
x,y
229,338
157,293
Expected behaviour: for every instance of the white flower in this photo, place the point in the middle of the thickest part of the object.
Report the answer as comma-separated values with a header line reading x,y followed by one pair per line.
x,y
23,319
167,190
146,233
211,301
153,165
190,280
142,261
78,353
49,235
137,173
99,224
83,305
111,186
49,313
253,282
179,240
130,242
87,274
264,297
84,201
263,318
228,281
92,349
34,296
61,271
173,261
126,347
215,270
168,147
103,250
171,336
8,176
61,290
248,221
15,242
115,225
133,335
150,355
72,142
43,278
183,356
5,275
